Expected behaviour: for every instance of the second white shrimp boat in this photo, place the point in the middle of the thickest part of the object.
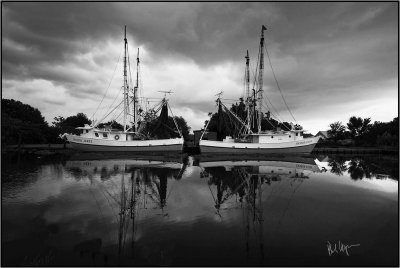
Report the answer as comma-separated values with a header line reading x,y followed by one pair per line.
x,y
255,140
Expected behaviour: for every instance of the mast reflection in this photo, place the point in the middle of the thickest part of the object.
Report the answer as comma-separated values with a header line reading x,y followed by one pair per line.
x,y
135,185
246,178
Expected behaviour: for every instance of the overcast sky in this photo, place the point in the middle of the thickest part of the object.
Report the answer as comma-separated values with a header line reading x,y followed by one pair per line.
x,y
332,60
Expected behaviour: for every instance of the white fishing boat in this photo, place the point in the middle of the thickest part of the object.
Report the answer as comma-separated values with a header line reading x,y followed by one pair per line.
x,y
130,139
256,140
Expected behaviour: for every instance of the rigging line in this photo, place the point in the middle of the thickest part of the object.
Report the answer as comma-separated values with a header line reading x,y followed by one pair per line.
x,y
255,73
244,85
116,96
126,226
109,203
97,204
287,206
234,100
205,129
215,201
170,190
129,67
173,117
109,107
269,122
277,84
235,116
277,115
140,83
280,121
104,187
121,111
115,186
108,84
273,107
104,117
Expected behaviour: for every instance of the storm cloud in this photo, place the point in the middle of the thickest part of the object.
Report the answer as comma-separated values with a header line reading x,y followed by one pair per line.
x,y
339,58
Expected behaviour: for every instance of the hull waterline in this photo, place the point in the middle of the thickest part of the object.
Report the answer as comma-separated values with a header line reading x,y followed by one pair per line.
x,y
98,145
103,148
251,148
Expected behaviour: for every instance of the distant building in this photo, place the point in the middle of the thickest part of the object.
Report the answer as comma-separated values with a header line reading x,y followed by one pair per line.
x,y
322,134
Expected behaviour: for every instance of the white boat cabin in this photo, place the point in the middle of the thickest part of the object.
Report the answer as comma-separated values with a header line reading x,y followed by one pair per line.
x,y
271,136
106,134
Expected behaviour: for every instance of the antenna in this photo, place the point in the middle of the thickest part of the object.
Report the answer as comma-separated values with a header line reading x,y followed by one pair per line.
x,y
219,94
166,92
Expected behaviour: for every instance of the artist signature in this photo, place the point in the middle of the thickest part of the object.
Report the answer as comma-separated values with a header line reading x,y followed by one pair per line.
x,y
339,247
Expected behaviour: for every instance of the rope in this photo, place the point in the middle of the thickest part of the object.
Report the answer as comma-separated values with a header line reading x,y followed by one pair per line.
x,y
278,120
173,117
205,129
255,73
277,84
108,114
108,85
237,118
277,115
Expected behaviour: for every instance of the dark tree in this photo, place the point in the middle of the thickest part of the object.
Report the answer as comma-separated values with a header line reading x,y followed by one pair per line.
x,y
336,131
358,126
21,123
69,124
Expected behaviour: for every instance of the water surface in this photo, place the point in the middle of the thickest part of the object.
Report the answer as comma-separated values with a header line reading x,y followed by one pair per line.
x,y
110,210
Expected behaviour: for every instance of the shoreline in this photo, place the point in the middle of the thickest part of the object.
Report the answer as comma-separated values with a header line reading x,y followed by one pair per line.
x,y
66,149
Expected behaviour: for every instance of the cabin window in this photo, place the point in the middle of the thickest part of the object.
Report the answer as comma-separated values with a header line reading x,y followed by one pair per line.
x,y
96,134
272,137
290,136
105,135
87,131
297,134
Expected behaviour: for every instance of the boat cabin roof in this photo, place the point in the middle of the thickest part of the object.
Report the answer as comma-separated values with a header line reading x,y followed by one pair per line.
x,y
277,133
116,131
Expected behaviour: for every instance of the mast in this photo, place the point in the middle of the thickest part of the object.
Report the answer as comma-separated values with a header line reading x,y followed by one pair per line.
x,y
247,78
126,100
135,91
260,79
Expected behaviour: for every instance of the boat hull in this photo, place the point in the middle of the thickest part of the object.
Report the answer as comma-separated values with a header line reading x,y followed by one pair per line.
x,y
98,145
294,147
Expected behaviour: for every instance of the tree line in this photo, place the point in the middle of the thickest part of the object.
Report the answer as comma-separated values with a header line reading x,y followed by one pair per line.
x,y
24,124
364,133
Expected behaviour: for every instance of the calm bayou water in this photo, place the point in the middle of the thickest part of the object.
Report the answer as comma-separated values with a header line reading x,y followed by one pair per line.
x,y
110,210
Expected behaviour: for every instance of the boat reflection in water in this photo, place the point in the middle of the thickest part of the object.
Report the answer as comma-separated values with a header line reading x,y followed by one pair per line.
x,y
140,183
246,178
174,210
